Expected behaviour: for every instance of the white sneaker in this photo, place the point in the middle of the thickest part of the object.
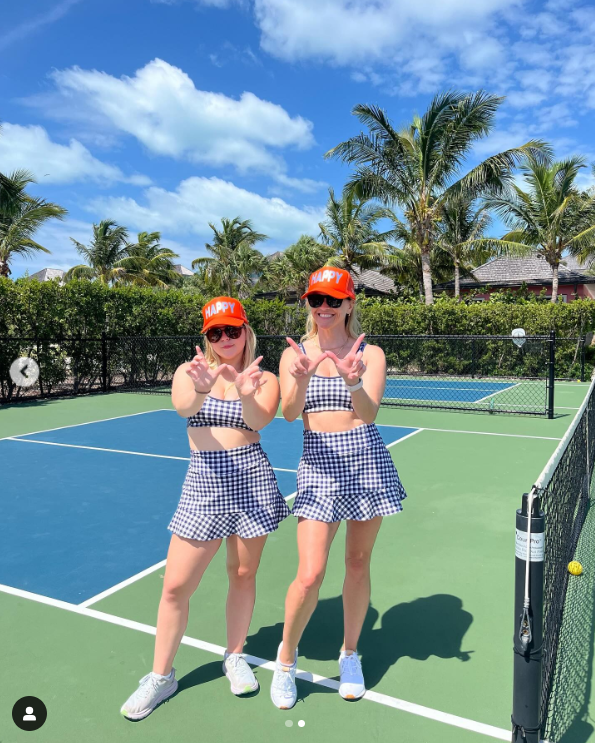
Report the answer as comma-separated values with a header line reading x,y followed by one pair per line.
x,y
352,679
283,688
151,692
239,673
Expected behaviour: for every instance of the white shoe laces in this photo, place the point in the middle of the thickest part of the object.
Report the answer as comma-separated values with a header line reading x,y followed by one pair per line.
x,y
148,684
240,668
351,664
284,681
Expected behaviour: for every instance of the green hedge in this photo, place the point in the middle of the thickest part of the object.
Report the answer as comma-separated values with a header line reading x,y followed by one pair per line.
x,y
82,308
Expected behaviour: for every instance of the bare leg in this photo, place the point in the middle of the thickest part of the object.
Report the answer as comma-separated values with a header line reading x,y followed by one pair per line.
x,y
314,542
359,542
243,559
187,560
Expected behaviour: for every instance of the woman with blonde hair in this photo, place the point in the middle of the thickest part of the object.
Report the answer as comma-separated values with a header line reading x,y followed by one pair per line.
x,y
336,382
230,492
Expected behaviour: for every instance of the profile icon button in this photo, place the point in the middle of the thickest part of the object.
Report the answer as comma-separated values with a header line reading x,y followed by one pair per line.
x,y
29,713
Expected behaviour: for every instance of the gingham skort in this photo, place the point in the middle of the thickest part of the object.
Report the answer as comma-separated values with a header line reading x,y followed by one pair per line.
x,y
347,475
227,492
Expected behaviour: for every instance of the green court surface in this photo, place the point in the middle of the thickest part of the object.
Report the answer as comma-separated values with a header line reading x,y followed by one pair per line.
x,y
437,642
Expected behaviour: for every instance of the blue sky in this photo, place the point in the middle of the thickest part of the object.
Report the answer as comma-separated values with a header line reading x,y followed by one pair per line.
x,y
167,114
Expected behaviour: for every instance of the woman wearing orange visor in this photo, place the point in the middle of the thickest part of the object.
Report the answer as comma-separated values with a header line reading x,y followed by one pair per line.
x,y
336,382
230,492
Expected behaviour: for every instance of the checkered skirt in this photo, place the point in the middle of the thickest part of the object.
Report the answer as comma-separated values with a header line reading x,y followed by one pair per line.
x,y
347,475
227,492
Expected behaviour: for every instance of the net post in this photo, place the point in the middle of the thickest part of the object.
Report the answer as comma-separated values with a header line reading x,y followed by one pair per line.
x,y
551,374
582,358
528,622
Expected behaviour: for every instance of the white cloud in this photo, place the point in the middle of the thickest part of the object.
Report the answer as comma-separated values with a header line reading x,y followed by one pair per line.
x,y
363,30
35,23
163,109
31,148
198,201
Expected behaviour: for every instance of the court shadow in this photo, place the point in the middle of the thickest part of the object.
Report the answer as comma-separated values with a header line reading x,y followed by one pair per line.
x,y
434,625
201,675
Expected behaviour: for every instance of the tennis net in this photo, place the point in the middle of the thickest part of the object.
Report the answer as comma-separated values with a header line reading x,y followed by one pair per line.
x,y
566,492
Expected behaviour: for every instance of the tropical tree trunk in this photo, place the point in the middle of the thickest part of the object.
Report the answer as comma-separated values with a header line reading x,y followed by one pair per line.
x,y
4,269
555,269
427,276
457,279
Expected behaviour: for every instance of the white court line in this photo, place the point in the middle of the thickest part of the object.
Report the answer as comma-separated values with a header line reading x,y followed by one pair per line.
x,y
111,451
313,678
138,576
85,423
123,584
478,433
454,430
493,394
398,441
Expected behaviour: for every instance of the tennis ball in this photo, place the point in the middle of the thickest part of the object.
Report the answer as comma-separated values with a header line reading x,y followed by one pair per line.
x,y
575,568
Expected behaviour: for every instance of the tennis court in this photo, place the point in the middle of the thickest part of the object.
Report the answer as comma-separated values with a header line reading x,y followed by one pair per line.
x,y
89,486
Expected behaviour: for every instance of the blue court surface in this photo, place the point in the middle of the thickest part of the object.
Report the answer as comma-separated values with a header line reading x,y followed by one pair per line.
x,y
447,390
87,506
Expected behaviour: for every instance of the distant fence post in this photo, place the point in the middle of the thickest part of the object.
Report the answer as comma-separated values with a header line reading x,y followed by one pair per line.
x,y
583,358
551,374
528,623
103,361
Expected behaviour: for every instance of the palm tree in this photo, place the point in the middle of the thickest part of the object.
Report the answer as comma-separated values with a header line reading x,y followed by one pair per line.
x,y
147,263
21,216
291,270
403,262
549,219
461,223
349,230
108,247
419,167
233,255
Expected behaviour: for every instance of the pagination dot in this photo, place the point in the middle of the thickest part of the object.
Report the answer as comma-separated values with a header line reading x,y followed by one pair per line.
x,y
288,723
301,723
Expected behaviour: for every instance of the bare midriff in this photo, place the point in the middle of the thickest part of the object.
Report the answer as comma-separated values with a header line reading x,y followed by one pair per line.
x,y
332,420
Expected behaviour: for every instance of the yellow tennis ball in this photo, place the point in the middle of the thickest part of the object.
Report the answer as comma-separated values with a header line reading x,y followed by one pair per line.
x,y
575,568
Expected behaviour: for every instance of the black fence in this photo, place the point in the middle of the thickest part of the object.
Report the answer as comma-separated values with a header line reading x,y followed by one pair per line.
x,y
554,602
488,373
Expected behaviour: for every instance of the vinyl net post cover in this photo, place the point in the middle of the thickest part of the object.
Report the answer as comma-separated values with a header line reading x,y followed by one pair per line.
x,y
565,489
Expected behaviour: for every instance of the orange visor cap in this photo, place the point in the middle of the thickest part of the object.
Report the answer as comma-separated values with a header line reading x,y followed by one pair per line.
x,y
336,282
223,311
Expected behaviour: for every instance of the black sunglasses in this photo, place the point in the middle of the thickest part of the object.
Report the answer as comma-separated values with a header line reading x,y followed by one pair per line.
x,y
316,300
233,332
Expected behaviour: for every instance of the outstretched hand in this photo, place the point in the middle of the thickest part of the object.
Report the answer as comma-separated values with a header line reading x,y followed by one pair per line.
x,y
302,367
350,367
201,374
248,381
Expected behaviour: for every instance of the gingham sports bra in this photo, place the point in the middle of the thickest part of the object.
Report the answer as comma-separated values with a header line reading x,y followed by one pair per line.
x,y
219,413
327,393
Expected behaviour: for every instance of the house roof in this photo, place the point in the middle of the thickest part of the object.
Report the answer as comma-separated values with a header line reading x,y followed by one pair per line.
x,y
182,270
46,274
372,280
532,271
